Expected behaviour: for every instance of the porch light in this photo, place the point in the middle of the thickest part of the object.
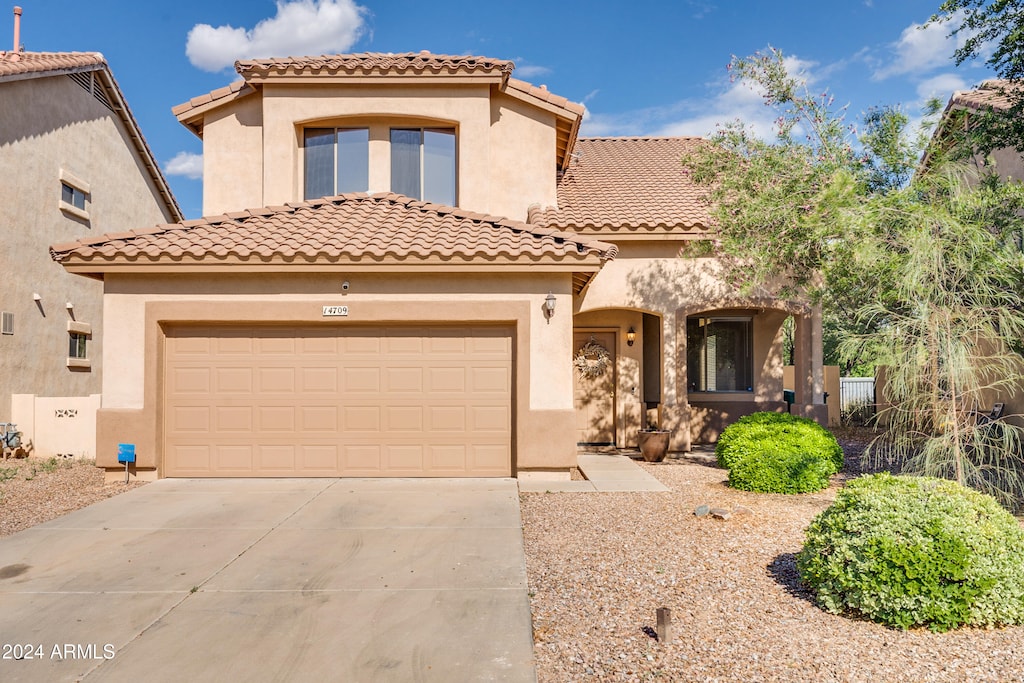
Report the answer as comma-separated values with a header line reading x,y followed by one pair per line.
x,y
549,305
630,336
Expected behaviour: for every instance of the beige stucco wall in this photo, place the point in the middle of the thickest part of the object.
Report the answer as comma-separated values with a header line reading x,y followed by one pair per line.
x,y
505,149
57,426
649,277
52,125
138,305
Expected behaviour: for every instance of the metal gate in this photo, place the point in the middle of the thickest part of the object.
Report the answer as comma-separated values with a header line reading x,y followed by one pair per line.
x,y
856,399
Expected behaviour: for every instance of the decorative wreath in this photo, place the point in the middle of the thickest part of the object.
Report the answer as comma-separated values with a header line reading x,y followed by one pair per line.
x,y
592,360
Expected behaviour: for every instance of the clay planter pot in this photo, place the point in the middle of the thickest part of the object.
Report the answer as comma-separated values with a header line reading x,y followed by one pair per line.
x,y
653,444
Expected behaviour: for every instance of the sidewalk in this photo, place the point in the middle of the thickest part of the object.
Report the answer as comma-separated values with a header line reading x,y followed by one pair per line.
x,y
604,472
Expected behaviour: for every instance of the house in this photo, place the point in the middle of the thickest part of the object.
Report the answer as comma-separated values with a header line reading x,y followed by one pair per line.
x,y
1008,163
75,166
412,265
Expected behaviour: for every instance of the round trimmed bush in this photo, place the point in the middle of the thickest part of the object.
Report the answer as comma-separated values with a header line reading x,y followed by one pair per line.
x,y
778,453
916,551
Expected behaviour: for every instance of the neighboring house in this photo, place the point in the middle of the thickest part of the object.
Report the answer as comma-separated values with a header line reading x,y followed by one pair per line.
x,y
402,260
1007,163
74,166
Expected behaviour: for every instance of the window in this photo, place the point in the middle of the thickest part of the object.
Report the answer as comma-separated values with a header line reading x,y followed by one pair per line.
x,y
73,196
76,346
718,354
337,160
6,323
423,164
74,192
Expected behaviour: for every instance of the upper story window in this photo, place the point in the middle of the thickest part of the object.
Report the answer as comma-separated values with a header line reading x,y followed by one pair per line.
x,y
719,353
75,194
337,161
423,164
416,162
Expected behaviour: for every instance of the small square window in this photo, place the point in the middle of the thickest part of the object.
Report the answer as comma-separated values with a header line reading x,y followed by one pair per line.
x,y
73,196
77,345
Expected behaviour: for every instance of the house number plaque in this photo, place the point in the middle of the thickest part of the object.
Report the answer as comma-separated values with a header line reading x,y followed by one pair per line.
x,y
335,311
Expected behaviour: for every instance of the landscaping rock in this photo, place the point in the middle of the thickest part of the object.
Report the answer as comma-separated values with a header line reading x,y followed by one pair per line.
x,y
742,511
702,510
720,513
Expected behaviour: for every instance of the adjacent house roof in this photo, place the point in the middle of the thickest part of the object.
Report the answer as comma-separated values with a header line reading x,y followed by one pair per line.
x,y
991,93
631,187
16,66
380,229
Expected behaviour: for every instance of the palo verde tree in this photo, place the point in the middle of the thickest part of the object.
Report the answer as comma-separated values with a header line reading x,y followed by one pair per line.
x,y
920,266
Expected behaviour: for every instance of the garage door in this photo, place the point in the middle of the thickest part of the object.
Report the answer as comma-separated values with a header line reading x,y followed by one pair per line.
x,y
329,401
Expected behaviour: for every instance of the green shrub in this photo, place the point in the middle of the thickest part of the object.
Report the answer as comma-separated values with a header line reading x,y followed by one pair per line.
x,y
916,551
778,453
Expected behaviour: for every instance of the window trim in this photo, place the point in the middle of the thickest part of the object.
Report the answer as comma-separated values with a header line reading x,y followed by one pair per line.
x,y
79,186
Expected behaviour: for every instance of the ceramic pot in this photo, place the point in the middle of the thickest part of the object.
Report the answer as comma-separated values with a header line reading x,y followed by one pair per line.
x,y
653,444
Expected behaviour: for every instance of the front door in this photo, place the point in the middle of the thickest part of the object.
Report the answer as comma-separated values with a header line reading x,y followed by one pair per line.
x,y
594,381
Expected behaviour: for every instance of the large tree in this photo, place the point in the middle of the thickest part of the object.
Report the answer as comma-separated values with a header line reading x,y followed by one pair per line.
x,y
920,271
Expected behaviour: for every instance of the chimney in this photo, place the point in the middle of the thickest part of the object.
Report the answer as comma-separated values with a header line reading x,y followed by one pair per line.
x,y
17,33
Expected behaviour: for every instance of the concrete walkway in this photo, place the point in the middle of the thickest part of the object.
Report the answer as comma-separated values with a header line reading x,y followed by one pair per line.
x,y
604,472
274,580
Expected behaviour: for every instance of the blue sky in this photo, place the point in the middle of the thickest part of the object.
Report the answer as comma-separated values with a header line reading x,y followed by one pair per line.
x,y
644,67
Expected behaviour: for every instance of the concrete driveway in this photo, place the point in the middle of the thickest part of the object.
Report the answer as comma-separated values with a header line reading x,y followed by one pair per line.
x,y
273,580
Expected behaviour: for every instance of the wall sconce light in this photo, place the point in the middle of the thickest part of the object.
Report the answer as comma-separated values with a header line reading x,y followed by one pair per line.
x,y
70,306
630,336
36,297
549,306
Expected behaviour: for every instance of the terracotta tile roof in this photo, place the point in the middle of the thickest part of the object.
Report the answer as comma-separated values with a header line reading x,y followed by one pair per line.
x,y
25,65
542,94
374,64
992,93
238,88
627,186
18,63
352,227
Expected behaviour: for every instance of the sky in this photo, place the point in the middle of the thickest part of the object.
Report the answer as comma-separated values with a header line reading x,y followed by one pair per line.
x,y
643,67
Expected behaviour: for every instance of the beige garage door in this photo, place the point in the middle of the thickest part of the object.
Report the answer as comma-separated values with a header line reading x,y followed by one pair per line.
x,y
330,401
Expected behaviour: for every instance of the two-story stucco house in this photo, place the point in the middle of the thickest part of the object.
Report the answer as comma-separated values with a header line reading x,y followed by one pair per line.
x,y
74,166
412,265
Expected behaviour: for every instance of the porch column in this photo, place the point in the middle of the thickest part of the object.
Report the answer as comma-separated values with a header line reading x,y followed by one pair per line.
x,y
675,410
808,367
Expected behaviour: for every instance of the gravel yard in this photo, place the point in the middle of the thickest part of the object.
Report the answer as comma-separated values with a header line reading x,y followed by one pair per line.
x,y
35,490
600,564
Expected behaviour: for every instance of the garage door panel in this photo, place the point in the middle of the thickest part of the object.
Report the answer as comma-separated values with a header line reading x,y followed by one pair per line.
x,y
362,380
322,401
233,458
318,419
233,419
233,380
366,419
399,419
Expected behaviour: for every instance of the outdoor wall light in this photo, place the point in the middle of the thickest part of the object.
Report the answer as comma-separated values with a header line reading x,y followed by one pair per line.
x,y
36,297
549,305
70,306
630,336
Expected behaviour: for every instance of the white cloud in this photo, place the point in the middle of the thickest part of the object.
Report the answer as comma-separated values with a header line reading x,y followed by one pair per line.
x,y
701,116
300,27
186,164
941,86
527,70
922,48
